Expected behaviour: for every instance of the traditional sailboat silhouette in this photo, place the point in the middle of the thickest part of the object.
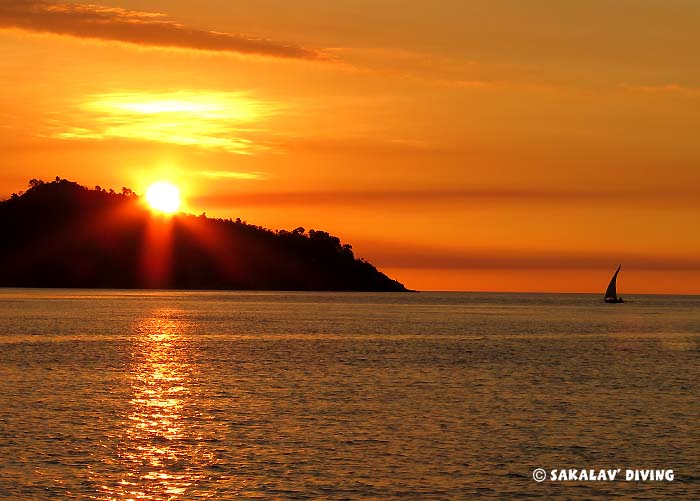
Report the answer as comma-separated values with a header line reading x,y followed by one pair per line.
x,y
611,293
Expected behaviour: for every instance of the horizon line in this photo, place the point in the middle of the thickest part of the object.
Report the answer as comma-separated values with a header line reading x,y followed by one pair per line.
x,y
345,292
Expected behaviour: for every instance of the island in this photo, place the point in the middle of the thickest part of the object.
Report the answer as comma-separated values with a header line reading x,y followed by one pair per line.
x,y
60,234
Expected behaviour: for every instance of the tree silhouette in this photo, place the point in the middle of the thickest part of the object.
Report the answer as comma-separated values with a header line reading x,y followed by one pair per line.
x,y
61,234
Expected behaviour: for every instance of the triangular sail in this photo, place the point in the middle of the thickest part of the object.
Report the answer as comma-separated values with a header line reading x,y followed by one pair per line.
x,y
612,288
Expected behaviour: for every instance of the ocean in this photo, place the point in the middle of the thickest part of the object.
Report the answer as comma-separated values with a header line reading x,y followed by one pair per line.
x,y
167,395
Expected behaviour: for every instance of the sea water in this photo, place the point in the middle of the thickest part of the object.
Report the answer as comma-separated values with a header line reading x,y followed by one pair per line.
x,y
271,395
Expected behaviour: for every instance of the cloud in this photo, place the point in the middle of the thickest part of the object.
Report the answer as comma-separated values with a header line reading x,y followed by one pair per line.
x,y
422,68
228,121
225,174
478,197
134,27
412,256
371,145
663,89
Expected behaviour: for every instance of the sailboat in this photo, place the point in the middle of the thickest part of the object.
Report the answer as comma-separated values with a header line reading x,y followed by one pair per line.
x,y
611,293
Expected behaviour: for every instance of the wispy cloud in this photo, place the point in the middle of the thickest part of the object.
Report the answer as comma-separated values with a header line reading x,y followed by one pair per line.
x,y
477,197
663,89
225,174
412,256
423,68
230,121
134,27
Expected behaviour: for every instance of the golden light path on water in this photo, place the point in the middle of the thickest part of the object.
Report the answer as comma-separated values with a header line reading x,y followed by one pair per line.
x,y
162,453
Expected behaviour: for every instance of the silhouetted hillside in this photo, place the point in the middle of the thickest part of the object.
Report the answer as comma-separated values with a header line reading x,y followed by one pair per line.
x,y
61,234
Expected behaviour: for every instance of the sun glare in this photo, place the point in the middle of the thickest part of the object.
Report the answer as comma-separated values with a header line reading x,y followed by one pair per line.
x,y
163,197
231,121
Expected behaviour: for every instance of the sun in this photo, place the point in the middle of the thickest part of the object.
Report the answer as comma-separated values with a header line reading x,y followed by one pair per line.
x,y
163,197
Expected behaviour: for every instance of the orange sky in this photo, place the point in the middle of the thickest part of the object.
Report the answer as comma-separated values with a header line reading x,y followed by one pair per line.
x,y
477,145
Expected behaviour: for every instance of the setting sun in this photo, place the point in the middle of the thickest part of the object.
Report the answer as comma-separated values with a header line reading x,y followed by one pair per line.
x,y
163,197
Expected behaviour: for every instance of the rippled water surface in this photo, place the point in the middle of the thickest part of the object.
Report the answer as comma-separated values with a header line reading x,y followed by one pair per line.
x,y
210,395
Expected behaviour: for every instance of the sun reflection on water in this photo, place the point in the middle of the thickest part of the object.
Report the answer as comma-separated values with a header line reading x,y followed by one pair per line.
x,y
162,450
